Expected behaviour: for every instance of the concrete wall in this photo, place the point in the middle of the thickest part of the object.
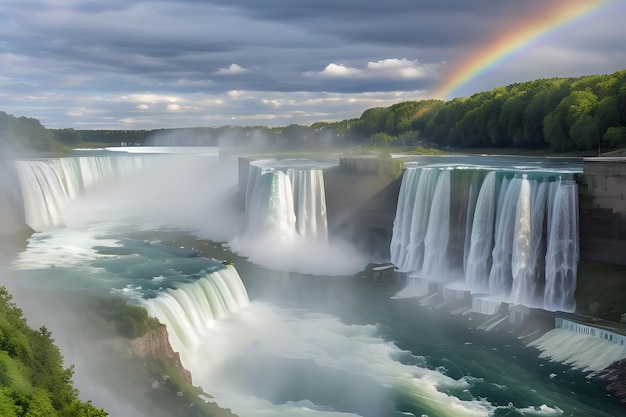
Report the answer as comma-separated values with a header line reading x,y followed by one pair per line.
x,y
602,192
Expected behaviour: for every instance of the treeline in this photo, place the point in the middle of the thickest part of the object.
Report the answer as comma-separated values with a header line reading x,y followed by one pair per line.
x,y
562,114
33,381
19,135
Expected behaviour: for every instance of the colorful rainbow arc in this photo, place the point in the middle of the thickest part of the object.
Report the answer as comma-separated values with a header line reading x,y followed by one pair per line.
x,y
507,45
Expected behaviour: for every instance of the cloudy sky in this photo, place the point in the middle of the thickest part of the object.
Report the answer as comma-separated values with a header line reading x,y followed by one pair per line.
x,y
144,64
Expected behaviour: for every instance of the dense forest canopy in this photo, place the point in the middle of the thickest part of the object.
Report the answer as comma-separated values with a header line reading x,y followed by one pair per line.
x,y
561,114
556,114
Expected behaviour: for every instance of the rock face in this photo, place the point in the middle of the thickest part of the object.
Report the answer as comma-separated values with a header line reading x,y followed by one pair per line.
x,y
616,377
602,188
155,344
361,199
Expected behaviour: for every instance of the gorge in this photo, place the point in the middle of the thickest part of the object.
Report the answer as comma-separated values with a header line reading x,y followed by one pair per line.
x,y
260,290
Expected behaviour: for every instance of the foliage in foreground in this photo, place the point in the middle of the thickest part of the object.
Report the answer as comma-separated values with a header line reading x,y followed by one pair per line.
x,y
33,381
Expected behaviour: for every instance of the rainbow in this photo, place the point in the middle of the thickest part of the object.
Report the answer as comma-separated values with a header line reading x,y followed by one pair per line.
x,y
515,41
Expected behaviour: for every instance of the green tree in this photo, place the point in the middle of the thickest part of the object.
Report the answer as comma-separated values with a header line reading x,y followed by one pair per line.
x,y
40,405
7,405
615,136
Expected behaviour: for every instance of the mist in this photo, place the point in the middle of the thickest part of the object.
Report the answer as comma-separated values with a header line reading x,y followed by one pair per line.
x,y
301,345
99,374
200,194
97,371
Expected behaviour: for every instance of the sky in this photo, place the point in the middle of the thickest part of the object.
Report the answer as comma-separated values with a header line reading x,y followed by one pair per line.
x,y
148,64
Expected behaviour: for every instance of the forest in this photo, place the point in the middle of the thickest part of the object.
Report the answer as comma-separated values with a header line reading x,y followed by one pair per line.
x,y
554,114
33,380
559,114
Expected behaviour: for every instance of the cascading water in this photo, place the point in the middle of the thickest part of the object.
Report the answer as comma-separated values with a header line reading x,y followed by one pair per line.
x,y
286,225
478,262
521,262
411,223
309,202
563,250
47,185
519,241
438,232
286,203
306,347
190,309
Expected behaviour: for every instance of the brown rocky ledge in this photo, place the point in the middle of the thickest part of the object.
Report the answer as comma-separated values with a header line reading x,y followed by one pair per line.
x,y
155,344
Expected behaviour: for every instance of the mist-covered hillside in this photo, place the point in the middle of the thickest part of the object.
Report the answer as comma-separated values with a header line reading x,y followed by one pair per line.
x,y
33,380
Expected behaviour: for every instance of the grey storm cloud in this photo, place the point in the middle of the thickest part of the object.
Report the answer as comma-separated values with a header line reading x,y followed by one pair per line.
x,y
167,63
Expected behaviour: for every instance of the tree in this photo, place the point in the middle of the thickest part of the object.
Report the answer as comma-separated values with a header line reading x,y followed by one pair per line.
x,y
615,136
40,405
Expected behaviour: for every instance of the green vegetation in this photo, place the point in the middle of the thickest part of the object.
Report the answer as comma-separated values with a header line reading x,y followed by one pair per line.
x,y
586,114
125,320
20,135
559,114
33,381
138,357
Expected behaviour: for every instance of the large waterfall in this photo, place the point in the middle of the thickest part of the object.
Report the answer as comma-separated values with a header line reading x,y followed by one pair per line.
x,y
49,184
190,309
285,220
512,234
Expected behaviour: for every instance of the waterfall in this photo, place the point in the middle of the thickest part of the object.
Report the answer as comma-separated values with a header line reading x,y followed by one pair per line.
x,y
521,261
517,239
478,262
501,275
563,251
411,223
190,309
438,231
47,185
286,203
309,202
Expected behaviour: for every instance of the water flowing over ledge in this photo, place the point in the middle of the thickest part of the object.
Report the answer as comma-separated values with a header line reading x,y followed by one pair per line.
x,y
511,234
286,225
580,351
191,308
288,203
49,184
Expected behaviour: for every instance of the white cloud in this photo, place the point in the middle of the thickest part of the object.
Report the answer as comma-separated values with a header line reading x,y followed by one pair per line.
x,y
333,70
76,112
150,98
233,69
391,68
398,68
236,93
136,121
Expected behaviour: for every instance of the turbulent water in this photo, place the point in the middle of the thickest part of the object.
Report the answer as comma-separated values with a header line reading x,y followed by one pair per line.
x,y
267,341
